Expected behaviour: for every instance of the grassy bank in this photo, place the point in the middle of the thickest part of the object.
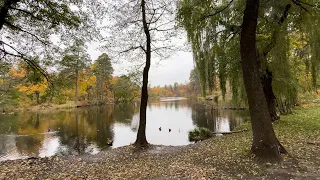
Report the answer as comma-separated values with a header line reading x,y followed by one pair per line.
x,y
225,157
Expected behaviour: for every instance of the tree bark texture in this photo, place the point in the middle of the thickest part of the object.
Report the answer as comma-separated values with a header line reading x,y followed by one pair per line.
x,y
265,144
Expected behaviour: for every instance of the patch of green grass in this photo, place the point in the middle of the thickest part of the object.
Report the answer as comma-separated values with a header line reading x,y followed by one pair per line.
x,y
303,119
306,119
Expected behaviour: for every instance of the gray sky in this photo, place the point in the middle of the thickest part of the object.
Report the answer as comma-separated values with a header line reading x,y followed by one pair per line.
x,y
175,69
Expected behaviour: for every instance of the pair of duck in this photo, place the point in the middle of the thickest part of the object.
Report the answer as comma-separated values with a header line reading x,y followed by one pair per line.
x,y
161,129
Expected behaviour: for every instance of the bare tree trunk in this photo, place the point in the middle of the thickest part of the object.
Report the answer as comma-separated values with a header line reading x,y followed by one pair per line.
x,y
265,144
141,136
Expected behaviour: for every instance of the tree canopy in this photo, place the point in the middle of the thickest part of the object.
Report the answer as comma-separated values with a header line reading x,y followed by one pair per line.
x,y
284,29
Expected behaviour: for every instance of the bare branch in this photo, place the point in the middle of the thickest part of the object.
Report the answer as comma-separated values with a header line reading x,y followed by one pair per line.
x,y
166,23
161,30
133,48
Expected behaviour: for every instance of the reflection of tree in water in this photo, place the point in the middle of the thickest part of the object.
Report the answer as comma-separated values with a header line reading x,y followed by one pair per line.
x,y
171,104
203,117
176,105
71,136
37,124
29,140
29,145
104,121
79,145
166,105
123,113
78,131
8,124
215,120
3,147
88,127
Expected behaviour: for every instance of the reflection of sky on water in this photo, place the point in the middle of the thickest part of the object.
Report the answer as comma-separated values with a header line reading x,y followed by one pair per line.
x,y
168,118
50,146
123,135
89,130
222,125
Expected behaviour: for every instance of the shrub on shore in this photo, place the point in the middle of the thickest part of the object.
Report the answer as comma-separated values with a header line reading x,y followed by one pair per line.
x,y
199,134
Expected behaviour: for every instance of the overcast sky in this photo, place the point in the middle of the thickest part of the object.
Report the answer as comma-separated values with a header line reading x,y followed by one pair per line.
x,y
175,69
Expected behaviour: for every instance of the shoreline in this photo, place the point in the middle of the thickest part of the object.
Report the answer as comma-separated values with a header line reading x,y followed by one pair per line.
x,y
209,159
47,107
70,105
222,157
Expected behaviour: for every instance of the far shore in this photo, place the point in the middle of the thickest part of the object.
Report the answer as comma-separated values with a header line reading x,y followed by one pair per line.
x,y
71,105
45,107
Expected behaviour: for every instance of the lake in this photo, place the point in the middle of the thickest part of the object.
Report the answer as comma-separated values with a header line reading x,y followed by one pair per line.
x,y
90,130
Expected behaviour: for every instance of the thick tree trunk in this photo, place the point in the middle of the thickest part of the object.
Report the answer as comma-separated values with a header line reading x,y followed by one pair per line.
x,y
270,97
265,144
77,87
141,136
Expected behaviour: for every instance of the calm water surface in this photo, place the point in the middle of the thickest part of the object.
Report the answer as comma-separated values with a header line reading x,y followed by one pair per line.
x,y
89,130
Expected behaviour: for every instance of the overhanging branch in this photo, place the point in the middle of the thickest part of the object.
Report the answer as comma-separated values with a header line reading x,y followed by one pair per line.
x,y
20,29
134,48
217,12
31,63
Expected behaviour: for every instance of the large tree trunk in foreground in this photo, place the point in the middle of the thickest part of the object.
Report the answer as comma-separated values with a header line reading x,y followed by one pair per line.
x,y
265,144
141,136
